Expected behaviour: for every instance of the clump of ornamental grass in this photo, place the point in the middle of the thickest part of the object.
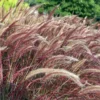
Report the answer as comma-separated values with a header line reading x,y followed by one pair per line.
x,y
48,59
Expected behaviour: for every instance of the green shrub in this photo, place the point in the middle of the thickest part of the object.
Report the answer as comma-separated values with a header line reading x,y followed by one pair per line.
x,y
82,8
31,2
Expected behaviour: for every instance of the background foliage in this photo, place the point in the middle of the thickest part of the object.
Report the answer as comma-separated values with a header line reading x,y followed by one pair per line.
x,y
82,8
7,4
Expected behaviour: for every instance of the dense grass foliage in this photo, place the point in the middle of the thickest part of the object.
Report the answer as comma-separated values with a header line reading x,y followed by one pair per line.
x,y
47,58
82,8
